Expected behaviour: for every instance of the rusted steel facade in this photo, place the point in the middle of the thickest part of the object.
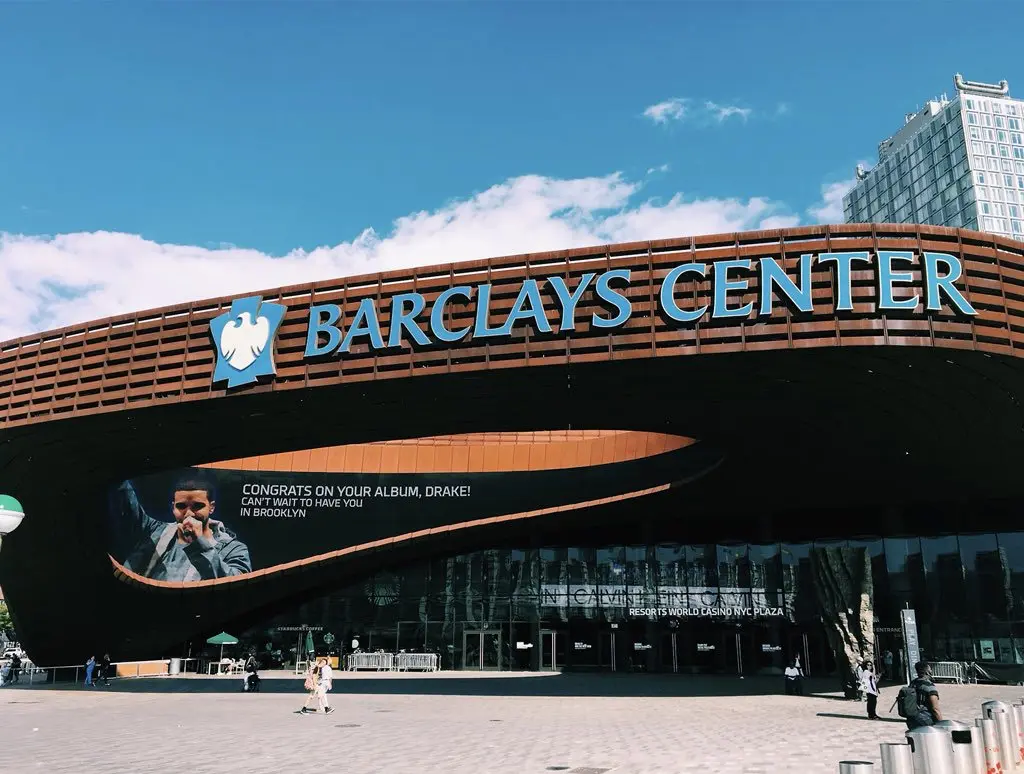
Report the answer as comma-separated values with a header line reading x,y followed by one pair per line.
x,y
166,355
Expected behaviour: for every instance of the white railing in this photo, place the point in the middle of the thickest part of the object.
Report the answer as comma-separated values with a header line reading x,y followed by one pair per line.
x,y
30,674
948,670
380,662
427,662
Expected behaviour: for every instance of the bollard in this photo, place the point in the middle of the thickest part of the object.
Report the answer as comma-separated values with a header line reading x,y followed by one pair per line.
x,y
1001,714
968,747
990,739
897,758
932,750
856,767
1018,716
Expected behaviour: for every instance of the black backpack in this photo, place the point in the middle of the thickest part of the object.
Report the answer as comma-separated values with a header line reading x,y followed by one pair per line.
x,y
907,701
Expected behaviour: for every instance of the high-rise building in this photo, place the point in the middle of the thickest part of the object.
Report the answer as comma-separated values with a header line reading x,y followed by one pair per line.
x,y
957,162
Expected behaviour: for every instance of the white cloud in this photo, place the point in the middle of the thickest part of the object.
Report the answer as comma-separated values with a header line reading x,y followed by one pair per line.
x,y
680,109
662,168
830,208
48,282
782,109
670,110
722,112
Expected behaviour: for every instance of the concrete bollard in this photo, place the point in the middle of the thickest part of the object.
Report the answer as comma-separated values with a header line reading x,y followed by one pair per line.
x,y
897,758
856,767
1001,714
993,759
932,750
1018,716
968,747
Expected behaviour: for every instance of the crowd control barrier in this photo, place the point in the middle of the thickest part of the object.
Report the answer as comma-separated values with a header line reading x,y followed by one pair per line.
x,y
378,662
994,744
954,671
424,662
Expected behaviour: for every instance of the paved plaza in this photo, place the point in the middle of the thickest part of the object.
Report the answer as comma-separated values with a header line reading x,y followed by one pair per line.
x,y
452,723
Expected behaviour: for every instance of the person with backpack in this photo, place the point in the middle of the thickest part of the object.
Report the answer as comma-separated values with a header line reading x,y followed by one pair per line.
x,y
918,703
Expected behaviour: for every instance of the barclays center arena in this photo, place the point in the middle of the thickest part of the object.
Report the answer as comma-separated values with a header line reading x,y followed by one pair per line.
x,y
713,454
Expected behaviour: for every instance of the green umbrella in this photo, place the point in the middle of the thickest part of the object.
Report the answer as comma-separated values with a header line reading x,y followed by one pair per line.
x,y
222,639
309,642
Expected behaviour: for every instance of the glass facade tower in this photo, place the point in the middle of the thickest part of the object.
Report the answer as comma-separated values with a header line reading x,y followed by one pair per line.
x,y
957,163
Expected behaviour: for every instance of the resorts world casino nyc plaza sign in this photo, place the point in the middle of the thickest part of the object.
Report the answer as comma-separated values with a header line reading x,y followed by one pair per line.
x,y
244,335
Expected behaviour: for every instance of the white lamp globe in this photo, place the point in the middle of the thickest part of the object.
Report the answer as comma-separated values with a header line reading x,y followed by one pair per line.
x,y
11,514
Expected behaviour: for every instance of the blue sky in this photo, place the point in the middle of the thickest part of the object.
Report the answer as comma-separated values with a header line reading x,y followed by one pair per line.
x,y
283,126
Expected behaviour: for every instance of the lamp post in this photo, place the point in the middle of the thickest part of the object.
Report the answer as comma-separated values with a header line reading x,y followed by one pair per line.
x,y
11,516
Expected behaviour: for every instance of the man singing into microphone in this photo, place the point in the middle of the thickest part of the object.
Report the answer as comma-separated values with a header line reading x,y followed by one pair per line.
x,y
194,546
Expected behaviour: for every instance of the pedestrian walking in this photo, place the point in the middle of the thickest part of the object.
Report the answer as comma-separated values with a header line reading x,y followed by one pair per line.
x,y
90,667
105,669
869,684
310,685
15,668
794,679
888,664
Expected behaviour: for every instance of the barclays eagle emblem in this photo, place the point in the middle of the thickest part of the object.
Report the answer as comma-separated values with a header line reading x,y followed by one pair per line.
x,y
244,340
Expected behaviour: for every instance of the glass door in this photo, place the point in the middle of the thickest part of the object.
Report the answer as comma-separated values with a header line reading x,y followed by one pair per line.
x,y
669,652
481,649
552,650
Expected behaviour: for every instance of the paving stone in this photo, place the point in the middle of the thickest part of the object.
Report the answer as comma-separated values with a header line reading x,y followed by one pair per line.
x,y
445,723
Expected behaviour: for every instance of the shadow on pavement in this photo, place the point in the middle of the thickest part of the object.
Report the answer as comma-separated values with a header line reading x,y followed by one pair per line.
x,y
448,684
859,717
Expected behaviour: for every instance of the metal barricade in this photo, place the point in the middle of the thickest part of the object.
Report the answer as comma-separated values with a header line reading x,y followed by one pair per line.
x,y
426,662
948,670
378,662
897,758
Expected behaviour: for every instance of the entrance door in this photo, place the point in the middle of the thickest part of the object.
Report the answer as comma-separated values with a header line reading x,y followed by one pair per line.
x,y
669,652
552,650
481,649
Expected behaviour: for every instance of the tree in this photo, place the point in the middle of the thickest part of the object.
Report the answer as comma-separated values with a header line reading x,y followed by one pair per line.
x,y
6,623
842,580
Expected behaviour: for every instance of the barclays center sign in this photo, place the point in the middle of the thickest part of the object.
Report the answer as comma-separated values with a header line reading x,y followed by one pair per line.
x,y
245,334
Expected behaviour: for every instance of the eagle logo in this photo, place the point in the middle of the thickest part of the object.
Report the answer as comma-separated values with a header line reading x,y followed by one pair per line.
x,y
243,339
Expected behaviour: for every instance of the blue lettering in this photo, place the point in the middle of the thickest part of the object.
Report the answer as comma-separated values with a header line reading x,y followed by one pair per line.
x,y
844,275
668,293
936,285
483,311
569,301
402,317
613,297
528,292
323,318
723,286
437,327
364,324
772,274
887,278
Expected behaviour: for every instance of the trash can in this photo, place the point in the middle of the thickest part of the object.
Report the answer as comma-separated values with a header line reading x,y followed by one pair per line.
x,y
1002,715
175,667
897,758
932,750
968,747
856,767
